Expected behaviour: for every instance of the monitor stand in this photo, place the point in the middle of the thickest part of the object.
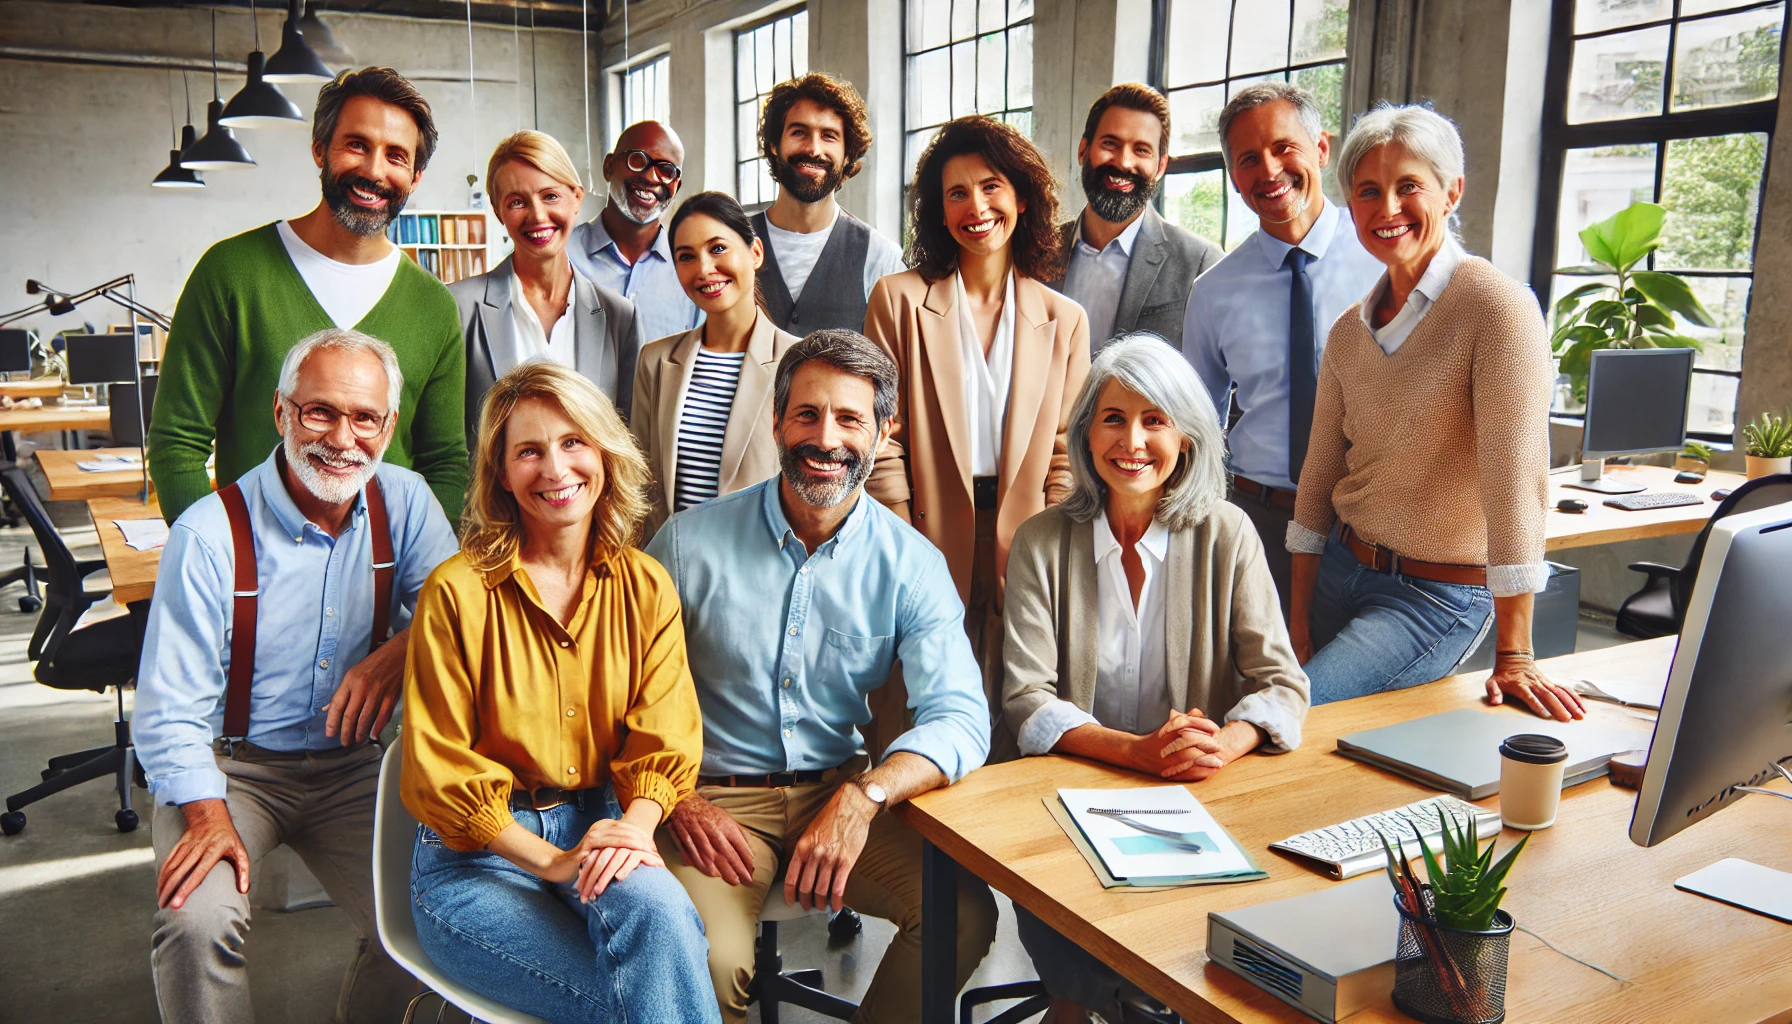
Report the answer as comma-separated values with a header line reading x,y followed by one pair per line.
x,y
1593,478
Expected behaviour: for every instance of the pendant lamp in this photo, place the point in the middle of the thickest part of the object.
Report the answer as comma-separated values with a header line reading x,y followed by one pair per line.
x,y
174,175
296,61
218,149
258,104
322,41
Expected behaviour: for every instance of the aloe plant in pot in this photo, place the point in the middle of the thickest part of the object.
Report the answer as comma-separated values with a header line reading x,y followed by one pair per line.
x,y
1769,441
1694,457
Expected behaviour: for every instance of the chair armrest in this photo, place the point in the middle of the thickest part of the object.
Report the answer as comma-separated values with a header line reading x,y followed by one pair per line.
x,y
1655,571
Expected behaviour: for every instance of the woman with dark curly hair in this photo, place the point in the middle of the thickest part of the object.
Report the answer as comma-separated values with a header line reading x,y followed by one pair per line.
x,y
991,361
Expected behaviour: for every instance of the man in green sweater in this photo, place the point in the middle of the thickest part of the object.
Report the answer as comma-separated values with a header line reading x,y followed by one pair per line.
x,y
252,297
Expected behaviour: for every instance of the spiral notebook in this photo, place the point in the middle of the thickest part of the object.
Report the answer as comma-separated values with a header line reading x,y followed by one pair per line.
x,y
1123,855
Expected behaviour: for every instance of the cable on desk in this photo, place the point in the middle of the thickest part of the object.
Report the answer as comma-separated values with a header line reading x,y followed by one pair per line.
x,y
1571,956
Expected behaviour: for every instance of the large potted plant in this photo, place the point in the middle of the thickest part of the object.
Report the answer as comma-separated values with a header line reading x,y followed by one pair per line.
x,y
1627,308
1769,441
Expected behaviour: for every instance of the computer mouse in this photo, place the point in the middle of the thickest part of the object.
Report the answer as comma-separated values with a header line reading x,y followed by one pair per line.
x,y
1574,505
1720,494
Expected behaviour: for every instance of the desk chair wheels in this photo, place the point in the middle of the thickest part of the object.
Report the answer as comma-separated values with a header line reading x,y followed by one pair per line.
x,y
845,925
12,823
30,604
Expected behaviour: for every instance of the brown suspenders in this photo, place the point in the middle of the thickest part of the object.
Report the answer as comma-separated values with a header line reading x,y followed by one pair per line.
x,y
247,589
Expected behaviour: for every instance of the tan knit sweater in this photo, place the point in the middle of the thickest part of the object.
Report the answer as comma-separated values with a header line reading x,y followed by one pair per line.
x,y
1439,452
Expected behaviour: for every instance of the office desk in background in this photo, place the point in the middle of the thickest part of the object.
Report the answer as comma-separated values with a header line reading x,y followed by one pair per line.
x,y
1582,884
69,482
133,572
56,417
43,387
1600,524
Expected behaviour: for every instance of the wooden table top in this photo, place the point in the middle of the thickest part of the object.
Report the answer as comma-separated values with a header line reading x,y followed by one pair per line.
x,y
133,572
43,387
1582,884
69,482
56,417
1600,524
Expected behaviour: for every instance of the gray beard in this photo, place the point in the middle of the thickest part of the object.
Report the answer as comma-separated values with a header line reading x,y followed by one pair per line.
x,y
625,204
323,488
821,494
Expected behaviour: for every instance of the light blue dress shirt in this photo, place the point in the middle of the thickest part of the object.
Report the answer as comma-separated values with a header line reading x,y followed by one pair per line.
x,y
1096,277
314,621
1236,331
651,283
785,645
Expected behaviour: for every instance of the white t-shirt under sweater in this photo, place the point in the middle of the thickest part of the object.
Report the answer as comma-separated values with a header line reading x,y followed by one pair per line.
x,y
346,291
797,255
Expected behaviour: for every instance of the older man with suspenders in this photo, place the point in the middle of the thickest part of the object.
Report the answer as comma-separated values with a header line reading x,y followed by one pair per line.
x,y
270,603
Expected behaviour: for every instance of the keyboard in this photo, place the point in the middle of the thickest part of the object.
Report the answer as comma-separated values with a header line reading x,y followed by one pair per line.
x,y
1654,499
1354,847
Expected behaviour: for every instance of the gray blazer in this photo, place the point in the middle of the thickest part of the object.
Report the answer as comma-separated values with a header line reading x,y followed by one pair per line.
x,y
1166,259
606,333
1226,650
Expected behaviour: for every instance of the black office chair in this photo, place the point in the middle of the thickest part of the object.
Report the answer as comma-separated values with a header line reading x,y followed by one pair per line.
x,y
93,657
773,985
1659,609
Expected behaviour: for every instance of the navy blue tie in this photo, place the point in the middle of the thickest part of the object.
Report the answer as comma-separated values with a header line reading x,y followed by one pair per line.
x,y
1303,372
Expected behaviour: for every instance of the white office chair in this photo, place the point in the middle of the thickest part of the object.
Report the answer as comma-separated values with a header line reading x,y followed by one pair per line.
x,y
394,839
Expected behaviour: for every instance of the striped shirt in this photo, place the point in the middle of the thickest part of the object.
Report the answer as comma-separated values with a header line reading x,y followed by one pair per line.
x,y
702,424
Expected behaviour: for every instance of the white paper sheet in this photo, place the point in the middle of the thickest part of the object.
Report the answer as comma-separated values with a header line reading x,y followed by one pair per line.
x,y
143,534
1129,853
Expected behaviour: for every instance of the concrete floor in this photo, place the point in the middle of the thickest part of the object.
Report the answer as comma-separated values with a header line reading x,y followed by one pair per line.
x,y
76,896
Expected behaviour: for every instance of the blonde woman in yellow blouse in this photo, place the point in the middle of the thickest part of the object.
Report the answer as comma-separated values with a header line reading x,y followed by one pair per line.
x,y
551,724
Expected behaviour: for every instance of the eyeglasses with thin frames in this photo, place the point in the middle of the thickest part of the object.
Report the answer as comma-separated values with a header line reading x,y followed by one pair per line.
x,y
321,418
639,161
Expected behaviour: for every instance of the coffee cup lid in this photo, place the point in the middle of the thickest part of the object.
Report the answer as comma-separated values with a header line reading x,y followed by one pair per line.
x,y
1534,748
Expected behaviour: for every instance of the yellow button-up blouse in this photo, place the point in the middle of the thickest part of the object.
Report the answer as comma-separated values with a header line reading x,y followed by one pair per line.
x,y
499,695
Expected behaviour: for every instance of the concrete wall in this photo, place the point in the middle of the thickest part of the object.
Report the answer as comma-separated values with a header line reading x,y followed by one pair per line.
x,y
83,141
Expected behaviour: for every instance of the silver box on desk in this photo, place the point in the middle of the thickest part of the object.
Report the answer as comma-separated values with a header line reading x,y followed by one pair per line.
x,y
1328,953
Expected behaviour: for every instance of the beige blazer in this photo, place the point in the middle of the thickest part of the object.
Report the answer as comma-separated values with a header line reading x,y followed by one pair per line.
x,y
749,451
1225,646
916,322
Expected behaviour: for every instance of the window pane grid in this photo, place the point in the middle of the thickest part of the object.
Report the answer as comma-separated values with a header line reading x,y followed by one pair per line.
x,y
965,57
646,92
773,51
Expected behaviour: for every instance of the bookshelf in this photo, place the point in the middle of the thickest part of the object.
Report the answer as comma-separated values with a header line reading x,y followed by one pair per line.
x,y
451,244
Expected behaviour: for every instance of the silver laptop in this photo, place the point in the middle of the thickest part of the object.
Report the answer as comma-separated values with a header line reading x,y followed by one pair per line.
x,y
1459,751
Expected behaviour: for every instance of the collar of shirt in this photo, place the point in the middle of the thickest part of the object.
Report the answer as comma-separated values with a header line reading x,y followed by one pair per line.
x,y
986,377
601,240
1318,238
1124,240
1156,541
1431,285
286,511
786,536
533,339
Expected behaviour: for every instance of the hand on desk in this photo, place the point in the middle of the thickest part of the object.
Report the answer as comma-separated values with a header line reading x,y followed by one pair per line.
x,y
1517,675
210,837
711,841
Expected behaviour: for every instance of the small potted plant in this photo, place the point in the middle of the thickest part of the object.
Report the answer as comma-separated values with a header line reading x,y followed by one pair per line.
x,y
1694,458
1450,962
1769,441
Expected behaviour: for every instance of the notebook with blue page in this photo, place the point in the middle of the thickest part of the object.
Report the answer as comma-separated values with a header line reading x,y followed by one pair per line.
x,y
1152,837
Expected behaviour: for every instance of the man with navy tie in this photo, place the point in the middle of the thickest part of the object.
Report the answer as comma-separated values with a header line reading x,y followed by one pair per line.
x,y
1256,323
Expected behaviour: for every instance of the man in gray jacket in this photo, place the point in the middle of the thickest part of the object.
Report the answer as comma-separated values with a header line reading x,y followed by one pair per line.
x,y
1129,268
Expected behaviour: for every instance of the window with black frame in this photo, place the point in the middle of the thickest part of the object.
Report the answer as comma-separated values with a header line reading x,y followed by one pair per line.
x,y
1206,51
646,92
964,57
1671,102
766,53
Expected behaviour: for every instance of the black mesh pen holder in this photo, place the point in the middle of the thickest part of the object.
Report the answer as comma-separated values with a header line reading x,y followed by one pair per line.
x,y
1447,975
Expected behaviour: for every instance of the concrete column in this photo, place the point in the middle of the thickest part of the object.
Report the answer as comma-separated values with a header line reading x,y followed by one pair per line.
x,y
861,41
1767,352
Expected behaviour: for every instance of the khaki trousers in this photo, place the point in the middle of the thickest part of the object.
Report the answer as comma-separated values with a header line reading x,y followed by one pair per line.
x,y
885,883
322,807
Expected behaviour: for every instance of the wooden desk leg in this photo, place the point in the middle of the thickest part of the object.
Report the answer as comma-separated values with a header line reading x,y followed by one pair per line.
x,y
939,930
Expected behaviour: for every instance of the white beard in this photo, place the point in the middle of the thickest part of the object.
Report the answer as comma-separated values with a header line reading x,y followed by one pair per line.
x,y
329,489
625,204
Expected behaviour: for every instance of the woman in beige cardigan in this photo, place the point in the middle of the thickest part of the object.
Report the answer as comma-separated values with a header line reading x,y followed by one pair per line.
x,y
1143,628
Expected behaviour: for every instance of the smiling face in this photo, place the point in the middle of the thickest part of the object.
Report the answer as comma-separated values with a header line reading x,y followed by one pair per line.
x,y
1402,211
368,169
642,196
828,437
715,265
1276,164
1134,444
537,210
340,394
982,207
1122,165
811,152
551,468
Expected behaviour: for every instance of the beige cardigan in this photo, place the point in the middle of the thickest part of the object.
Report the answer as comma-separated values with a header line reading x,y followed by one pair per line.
x,y
1226,650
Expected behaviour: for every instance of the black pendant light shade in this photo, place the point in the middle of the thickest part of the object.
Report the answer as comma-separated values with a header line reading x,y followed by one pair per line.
x,y
218,149
296,61
258,104
175,175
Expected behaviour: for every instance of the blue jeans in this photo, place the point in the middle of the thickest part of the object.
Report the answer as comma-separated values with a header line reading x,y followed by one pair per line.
x,y
635,954
1376,631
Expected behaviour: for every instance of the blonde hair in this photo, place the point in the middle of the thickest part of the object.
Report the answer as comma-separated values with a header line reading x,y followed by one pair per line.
x,y
491,526
537,149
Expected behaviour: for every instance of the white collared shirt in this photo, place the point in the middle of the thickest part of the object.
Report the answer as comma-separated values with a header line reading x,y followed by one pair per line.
x,y
531,341
1424,294
1096,277
985,379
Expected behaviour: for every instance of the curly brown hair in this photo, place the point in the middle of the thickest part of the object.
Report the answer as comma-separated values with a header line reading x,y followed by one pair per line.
x,y
836,94
1036,247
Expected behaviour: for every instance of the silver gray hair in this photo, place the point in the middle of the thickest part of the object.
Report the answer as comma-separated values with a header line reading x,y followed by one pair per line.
x,y
352,341
1306,108
1424,132
1146,364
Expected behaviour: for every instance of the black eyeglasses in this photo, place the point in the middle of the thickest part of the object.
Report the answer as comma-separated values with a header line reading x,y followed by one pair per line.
x,y
639,161
321,418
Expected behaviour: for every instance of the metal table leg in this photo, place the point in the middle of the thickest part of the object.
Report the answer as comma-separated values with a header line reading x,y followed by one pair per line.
x,y
939,935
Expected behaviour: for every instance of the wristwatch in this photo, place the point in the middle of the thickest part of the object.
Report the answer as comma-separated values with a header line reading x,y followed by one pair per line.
x,y
873,792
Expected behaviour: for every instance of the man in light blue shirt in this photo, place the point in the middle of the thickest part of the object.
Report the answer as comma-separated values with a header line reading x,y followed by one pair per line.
x,y
1256,323
625,247
303,773
799,596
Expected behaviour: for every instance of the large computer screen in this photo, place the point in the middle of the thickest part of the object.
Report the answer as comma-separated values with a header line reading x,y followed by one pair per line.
x,y
1636,401
101,358
15,350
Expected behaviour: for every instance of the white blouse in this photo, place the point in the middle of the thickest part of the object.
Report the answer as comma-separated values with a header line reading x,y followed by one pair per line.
x,y
985,379
531,341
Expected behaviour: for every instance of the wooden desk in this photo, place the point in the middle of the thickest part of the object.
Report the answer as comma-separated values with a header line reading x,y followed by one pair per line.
x,y
56,417
1582,883
69,482
45,387
1602,525
133,572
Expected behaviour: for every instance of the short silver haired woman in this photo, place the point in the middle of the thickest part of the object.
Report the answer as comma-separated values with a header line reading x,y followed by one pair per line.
x,y
1437,386
1143,629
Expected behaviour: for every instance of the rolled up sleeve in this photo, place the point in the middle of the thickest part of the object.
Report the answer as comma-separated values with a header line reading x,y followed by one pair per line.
x,y
1276,692
945,686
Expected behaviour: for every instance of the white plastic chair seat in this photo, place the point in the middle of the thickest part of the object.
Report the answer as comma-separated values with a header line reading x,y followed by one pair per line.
x,y
394,840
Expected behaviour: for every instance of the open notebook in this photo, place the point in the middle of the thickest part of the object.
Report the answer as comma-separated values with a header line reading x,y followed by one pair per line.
x,y
1123,853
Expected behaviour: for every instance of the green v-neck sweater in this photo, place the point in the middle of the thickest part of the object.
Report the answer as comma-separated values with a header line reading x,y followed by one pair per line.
x,y
243,308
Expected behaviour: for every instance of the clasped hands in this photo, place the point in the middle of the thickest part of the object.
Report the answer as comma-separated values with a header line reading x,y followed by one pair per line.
x,y
609,850
711,841
1187,748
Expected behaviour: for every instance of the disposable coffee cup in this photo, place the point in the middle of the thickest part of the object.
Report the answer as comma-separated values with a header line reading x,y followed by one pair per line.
x,y
1531,768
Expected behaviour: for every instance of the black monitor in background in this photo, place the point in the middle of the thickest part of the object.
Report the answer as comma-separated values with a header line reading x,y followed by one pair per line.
x,y
102,358
15,350
127,427
1637,400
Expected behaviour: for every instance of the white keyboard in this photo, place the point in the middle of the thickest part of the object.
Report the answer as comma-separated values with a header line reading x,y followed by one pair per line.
x,y
1354,847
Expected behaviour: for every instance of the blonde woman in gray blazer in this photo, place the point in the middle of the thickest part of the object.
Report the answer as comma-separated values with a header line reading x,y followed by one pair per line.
x,y
1142,626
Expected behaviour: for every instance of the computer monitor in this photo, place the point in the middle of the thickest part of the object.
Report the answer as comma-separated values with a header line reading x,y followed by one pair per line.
x,y
15,351
1637,401
127,428
102,358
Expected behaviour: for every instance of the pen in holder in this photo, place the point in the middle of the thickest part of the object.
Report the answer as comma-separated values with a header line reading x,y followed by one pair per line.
x,y
1446,975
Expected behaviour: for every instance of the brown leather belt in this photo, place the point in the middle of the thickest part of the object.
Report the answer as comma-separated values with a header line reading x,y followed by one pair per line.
x,y
1380,559
546,797
776,780
1266,495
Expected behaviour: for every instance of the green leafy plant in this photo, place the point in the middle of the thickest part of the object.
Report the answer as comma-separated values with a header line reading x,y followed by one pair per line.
x,y
1698,451
1465,891
1635,309
1768,437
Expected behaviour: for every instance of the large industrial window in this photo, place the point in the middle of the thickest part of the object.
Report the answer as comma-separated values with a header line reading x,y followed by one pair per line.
x,y
965,57
772,51
646,93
